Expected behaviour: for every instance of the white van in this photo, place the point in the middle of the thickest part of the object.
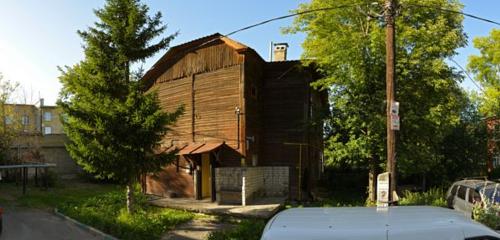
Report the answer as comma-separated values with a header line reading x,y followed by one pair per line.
x,y
392,223
463,194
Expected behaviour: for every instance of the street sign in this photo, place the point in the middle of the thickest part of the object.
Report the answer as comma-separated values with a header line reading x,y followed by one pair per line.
x,y
395,122
383,189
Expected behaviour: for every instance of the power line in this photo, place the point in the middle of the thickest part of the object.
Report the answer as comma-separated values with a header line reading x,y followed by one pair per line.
x,y
456,12
276,19
467,74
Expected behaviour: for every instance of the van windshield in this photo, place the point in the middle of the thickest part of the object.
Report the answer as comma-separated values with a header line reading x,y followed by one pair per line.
x,y
492,193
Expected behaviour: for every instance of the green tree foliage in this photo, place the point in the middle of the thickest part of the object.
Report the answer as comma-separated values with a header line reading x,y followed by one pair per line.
x,y
7,131
348,47
486,68
465,147
113,126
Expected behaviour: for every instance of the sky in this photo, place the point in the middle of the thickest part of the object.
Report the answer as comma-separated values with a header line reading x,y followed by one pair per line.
x,y
38,36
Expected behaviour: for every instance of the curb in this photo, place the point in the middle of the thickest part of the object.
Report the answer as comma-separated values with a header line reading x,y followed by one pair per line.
x,y
84,226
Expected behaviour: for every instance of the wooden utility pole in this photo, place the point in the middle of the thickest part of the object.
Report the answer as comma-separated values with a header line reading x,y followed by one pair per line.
x,y
389,12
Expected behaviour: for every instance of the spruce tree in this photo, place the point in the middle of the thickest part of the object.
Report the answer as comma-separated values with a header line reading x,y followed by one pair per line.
x,y
113,126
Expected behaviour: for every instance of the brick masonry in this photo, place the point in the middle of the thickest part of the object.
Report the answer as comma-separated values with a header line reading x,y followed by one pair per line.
x,y
252,182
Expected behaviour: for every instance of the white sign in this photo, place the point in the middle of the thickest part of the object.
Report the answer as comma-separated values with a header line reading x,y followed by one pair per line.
x,y
395,108
383,189
395,122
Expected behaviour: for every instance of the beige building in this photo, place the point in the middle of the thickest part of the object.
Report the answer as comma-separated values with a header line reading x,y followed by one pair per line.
x,y
50,117
22,117
39,136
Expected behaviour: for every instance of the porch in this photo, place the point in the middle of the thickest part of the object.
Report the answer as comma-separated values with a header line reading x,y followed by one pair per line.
x,y
263,208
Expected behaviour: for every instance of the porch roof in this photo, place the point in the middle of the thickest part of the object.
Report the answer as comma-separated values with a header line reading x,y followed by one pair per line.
x,y
208,147
197,148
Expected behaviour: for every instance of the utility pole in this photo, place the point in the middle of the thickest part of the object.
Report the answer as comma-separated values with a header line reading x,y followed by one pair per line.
x,y
389,13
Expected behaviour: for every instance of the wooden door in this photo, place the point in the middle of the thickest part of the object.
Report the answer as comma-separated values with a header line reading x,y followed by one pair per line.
x,y
206,178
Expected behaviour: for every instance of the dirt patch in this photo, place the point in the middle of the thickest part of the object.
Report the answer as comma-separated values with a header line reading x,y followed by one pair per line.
x,y
198,228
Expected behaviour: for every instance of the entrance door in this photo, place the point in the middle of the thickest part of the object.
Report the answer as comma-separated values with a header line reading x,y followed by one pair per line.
x,y
206,178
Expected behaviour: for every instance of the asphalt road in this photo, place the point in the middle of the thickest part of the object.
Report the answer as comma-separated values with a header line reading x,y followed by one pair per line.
x,y
20,224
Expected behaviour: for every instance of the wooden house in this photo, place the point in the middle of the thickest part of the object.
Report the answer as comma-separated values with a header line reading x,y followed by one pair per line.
x,y
240,113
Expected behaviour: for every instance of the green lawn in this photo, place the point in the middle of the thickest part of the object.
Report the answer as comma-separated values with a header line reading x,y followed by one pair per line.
x,y
99,205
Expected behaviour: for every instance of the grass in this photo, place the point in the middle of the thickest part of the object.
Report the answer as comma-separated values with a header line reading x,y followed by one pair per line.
x,y
249,229
51,198
107,212
99,205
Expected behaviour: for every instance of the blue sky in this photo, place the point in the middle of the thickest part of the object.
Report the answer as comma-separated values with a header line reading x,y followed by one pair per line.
x,y
37,36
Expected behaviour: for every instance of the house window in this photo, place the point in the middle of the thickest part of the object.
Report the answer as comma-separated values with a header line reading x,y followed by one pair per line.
x,y
25,120
47,116
496,160
47,130
8,120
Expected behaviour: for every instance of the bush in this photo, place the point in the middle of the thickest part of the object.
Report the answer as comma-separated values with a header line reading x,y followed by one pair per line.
x,y
245,230
487,214
433,197
108,213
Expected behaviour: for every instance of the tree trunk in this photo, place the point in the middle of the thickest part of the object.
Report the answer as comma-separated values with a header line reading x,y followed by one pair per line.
x,y
130,197
372,180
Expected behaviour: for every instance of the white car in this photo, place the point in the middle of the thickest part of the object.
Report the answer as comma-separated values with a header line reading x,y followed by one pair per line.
x,y
392,223
463,194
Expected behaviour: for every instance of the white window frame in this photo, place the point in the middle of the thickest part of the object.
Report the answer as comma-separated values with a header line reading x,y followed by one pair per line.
x,y
47,130
47,116
8,120
25,120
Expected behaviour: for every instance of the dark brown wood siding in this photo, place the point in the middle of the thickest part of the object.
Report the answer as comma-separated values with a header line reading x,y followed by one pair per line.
x,y
210,58
287,107
254,70
174,180
207,85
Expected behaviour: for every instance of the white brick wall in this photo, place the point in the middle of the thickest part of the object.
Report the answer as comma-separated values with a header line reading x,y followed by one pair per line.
x,y
253,182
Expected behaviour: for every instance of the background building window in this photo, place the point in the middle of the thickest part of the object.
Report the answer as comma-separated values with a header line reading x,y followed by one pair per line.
x,y
47,130
25,120
8,120
47,116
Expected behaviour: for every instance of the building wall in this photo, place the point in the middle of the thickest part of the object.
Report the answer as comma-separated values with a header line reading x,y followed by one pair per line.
x,y
208,88
251,183
54,122
254,67
45,149
289,107
175,180
15,113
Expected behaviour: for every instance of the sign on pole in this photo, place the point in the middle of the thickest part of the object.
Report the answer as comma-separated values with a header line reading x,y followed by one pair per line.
x,y
395,116
383,189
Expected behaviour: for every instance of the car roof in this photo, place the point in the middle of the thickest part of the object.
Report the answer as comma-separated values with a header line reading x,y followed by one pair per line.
x,y
378,223
474,183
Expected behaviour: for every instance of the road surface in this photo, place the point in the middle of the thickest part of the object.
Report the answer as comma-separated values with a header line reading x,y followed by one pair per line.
x,y
21,224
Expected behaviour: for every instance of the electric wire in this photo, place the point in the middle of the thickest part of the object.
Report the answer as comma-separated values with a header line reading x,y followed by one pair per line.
x,y
456,12
467,74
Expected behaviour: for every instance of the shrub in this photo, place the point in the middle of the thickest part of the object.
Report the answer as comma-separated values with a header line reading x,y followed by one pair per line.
x,y
487,214
108,213
433,197
245,230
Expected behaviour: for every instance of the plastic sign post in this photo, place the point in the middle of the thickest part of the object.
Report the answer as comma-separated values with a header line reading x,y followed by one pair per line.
x,y
383,189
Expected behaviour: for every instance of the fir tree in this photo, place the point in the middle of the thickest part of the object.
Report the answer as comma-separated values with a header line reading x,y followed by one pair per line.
x,y
113,126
